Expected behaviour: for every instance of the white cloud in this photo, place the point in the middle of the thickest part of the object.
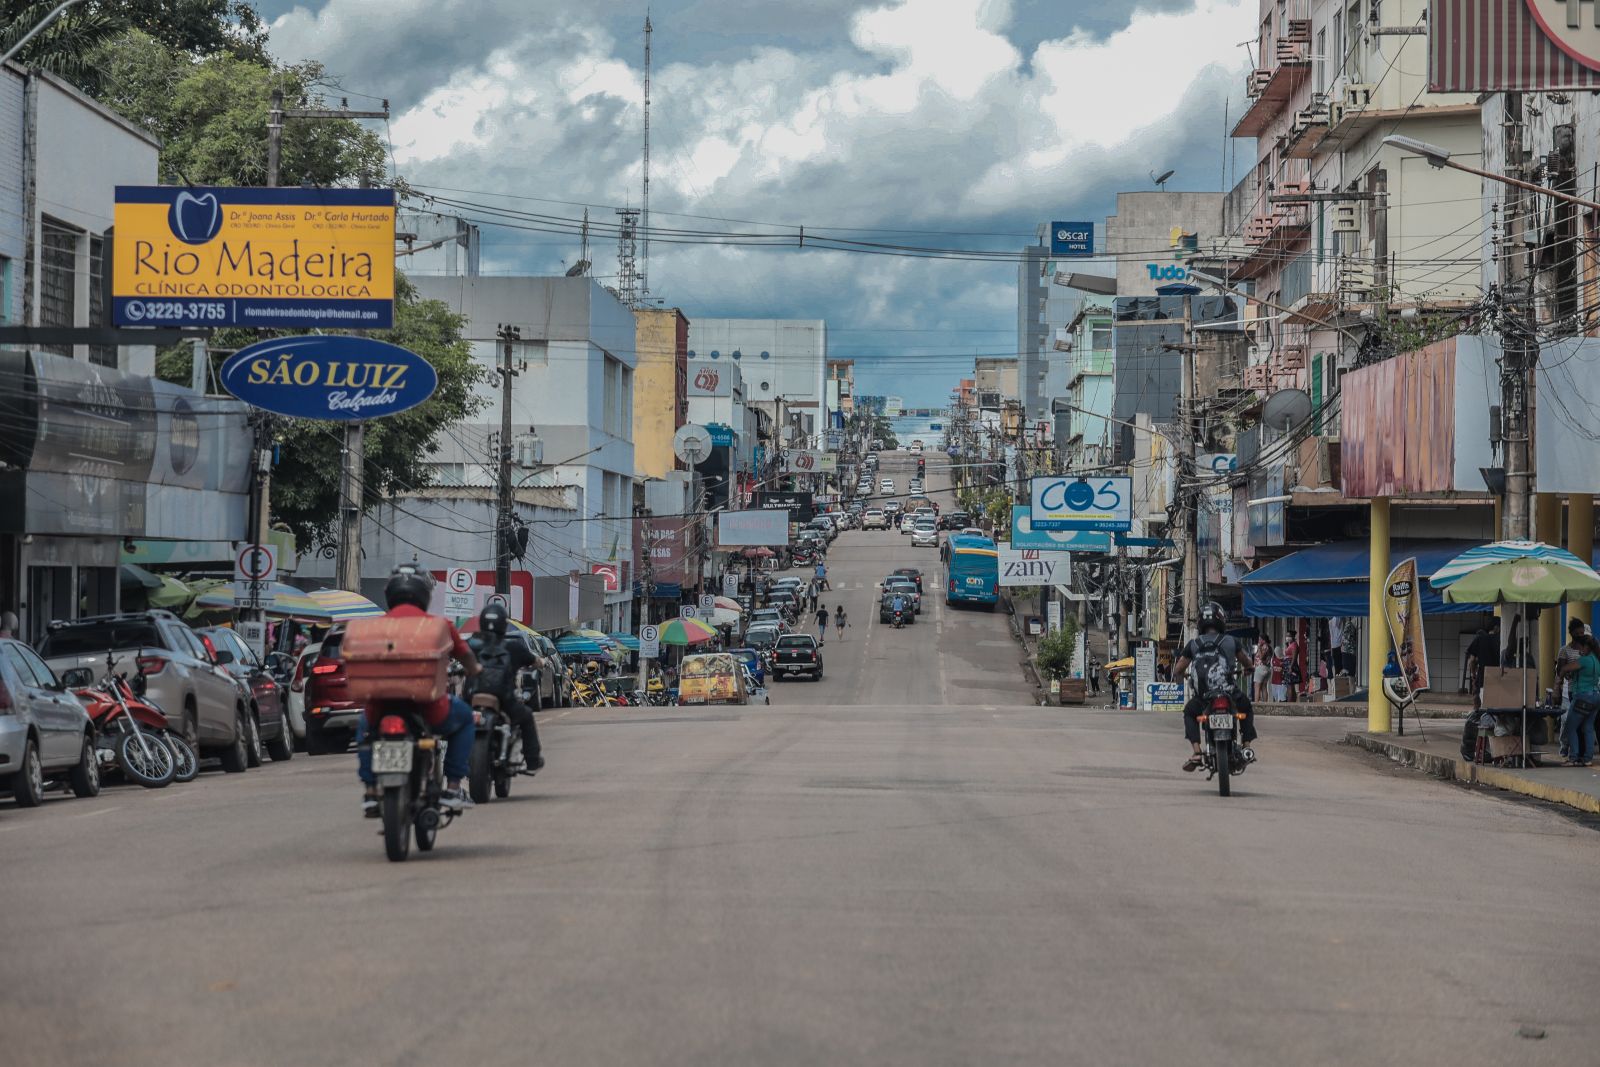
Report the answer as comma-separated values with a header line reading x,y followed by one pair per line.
x,y
932,117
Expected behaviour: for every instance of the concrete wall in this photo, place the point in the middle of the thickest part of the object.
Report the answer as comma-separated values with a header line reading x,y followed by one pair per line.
x,y
13,208
778,357
1033,325
84,152
1139,235
659,401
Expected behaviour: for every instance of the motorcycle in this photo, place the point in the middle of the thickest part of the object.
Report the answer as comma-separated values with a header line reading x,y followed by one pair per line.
x,y
131,733
496,749
899,619
1221,752
408,766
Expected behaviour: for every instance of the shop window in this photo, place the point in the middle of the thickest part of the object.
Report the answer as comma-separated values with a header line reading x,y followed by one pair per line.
x,y
97,591
105,355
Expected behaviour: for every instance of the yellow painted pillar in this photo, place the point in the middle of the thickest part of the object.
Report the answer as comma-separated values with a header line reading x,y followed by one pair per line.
x,y
1547,528
1580,542
1499,535
1378,710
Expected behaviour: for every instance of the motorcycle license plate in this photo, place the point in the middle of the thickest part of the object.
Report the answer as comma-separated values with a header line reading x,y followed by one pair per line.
x,y
1222,722
391,757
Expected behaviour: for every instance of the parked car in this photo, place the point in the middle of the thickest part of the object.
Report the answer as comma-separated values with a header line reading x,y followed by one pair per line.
x,y
874,519
762,637
768,617
260,688
294,701
330,713
201,700
44,731
554,687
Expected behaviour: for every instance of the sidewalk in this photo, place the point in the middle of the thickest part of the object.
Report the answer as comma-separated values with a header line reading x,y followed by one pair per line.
x,y
1440,756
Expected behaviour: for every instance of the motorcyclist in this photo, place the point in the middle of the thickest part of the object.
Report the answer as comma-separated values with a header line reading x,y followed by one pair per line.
x,y
1214,656
897,607
407,596
491,645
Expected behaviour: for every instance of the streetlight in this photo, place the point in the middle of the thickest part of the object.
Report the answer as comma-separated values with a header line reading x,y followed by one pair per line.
x,y
31,34
1439,157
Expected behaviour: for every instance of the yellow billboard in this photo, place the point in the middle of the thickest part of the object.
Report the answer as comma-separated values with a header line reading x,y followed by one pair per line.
x,y
266,258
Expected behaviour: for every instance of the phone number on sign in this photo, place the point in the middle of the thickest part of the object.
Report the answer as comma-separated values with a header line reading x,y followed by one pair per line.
x,y
189,310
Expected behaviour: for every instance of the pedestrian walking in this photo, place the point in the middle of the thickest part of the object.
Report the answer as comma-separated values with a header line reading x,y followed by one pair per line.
x,y
1583,671
839,621
822,623
1263,669
1278,689
1094,676
811,595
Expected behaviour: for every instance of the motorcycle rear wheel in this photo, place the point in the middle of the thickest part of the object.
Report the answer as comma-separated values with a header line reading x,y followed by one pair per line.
x,y
145,760
1224,750
478,779
396,826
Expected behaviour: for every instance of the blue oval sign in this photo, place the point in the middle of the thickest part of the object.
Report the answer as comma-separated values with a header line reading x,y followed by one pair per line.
x,y
337,377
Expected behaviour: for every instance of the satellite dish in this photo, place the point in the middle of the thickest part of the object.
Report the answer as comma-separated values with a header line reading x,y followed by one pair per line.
x,y
1161,182
692,444
1286,409
580,267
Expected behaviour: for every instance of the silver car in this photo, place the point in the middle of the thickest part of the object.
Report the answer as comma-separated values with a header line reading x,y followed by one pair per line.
x,y
925,534
44,731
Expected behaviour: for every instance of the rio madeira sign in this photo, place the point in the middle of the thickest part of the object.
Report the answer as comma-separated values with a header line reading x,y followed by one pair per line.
x,y
336,377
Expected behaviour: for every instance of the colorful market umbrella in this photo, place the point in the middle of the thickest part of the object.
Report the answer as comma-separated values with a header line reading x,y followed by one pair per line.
x,y
1496,552
686,632
573,645
287,601
627,641
758,552
607,642
728,603
342,604
1525,581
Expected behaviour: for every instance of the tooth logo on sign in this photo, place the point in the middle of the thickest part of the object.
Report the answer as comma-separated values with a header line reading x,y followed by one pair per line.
x,y
194,219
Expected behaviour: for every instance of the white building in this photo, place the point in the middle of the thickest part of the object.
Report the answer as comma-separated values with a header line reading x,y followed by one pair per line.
x,y
783,363
571,406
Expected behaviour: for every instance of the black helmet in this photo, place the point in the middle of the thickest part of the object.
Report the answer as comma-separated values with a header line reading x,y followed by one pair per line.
x,y
494,620
408,585
1213,617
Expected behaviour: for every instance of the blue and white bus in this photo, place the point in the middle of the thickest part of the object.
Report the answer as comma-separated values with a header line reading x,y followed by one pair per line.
x,y
972,575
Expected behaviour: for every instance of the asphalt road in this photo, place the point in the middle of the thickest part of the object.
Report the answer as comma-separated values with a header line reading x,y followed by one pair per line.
x,y
941,874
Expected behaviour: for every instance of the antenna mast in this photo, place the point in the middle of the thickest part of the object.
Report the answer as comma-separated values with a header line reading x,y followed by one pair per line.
x,y
644,261
627,259
583,257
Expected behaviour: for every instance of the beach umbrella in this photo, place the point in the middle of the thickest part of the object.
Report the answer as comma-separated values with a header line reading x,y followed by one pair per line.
x,y
607,642
686,632
471,626
288,602
341,604
627,641
728,603
1497,552
1525,581
758,552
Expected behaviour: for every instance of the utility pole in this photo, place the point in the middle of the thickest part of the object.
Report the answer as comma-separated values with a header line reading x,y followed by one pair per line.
x,y
644,262
1380,234
509,336
1521,350
352,493
274,137
1188,492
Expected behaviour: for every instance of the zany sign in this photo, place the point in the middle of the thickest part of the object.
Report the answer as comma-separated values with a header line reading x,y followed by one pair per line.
x,y
334,377
271,258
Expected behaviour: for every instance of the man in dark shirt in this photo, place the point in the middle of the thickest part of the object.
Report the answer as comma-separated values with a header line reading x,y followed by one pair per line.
x,y
1483,652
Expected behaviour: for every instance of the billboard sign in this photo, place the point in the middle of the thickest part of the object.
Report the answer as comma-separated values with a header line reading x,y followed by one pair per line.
x,y
721,436
710,381
278,258
810,461
1070,240
760,527
611,573
1030,566
1402,607
1081,503
1023,535
335,376
800,506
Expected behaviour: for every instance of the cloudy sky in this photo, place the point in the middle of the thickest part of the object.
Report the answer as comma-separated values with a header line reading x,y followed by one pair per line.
x,y
945,123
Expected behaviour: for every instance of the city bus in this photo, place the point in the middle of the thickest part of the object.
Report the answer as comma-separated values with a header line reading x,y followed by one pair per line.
x,y
972,574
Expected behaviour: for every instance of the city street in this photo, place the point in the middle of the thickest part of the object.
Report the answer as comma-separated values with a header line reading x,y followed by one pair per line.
x,y
904,863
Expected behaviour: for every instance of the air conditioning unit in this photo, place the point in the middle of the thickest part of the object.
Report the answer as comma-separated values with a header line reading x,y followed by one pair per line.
x,y
1335,114
527,450
1346,218
1258,80
1252,354
1293,357
1291,51
1298,187
1297,30
1358,95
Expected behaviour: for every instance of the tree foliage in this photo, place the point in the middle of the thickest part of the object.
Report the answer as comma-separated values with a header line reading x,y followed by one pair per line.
x,y
1056,649
70,45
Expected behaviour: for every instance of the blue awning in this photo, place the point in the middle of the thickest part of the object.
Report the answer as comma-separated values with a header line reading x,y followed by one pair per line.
x,y
1330,580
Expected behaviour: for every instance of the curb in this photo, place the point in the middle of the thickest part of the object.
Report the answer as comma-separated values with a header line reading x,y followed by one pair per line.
x,y
1453,769
1338,710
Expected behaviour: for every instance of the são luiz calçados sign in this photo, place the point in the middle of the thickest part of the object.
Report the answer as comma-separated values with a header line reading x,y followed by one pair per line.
x,y
338,377
268,258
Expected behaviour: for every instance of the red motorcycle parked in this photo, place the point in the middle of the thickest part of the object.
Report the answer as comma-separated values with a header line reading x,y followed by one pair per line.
x,y
131,733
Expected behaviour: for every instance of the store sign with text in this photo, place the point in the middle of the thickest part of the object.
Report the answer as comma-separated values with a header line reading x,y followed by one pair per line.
x,y
287,258
1082,503
1030,566
706,380
334,376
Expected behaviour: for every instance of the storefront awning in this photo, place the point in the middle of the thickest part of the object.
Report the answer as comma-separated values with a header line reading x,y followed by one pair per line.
x,y
1330,580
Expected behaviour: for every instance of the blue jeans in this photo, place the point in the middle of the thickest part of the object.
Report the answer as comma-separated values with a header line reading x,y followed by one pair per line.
x,y
457,731
1577,733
